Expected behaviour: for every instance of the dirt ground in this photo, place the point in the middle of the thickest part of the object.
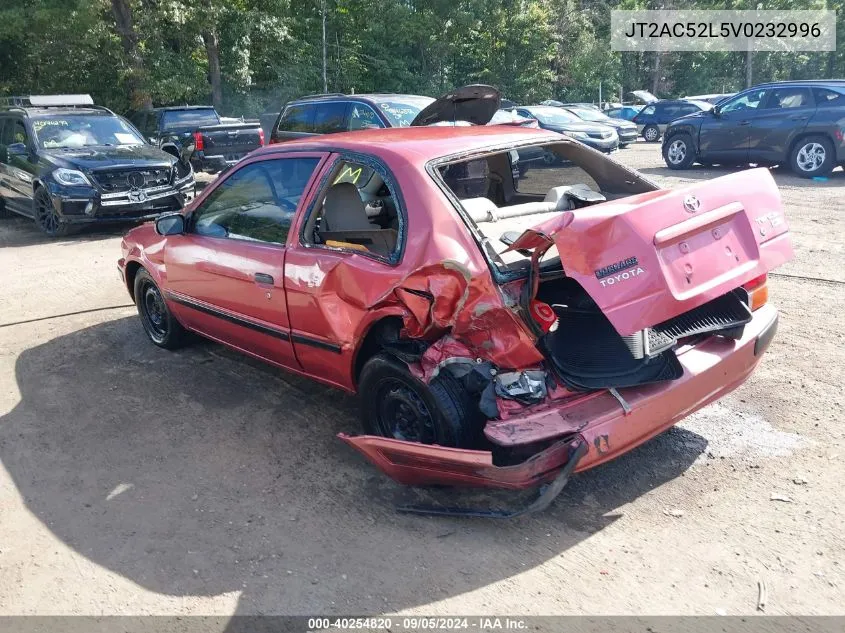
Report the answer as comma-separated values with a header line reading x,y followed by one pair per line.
x,y
138,481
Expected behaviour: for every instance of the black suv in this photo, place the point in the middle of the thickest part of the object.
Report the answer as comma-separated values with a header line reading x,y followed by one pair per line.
x,y
794,122
654,118
65,162
329,113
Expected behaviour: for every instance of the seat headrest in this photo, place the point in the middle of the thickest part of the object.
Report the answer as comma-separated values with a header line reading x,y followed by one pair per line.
x,y
343,209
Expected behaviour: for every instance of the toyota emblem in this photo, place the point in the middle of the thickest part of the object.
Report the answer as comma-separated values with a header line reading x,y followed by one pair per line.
x,y
135,179
691,203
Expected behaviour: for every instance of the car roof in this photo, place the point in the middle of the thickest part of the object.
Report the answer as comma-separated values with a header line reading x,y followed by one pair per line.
x,y
184,107
367,97
418,144
53,111
803,82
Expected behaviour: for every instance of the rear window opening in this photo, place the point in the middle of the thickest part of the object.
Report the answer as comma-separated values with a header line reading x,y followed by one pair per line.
x,y
503,193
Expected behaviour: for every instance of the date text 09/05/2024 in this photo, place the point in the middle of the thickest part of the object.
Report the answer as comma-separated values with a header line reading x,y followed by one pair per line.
x,y
418,623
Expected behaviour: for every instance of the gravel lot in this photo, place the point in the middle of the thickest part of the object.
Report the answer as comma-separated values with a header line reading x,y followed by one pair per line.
x,y
138,481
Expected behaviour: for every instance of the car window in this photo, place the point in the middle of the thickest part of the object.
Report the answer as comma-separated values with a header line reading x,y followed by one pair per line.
x,y
648,110
330,117
356,211
787,98
746,101
298,118
362,117
5,131
257,202
175,119
17,132
688,109
671,111
828,98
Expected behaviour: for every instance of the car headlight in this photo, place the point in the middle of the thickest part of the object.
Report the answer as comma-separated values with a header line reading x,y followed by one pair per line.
x,y
70,177
577,134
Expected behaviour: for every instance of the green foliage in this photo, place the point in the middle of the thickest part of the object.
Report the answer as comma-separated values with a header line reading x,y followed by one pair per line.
x,y
271,50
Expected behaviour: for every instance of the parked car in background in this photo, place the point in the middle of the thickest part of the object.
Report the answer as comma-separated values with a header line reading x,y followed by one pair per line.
x,y
798,123
626,130
341,259
320,114
652,119
66,162
626,112
601,137
218,142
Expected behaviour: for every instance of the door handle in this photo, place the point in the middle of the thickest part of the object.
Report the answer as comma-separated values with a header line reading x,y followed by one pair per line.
x,y
264,278
798,118
745,123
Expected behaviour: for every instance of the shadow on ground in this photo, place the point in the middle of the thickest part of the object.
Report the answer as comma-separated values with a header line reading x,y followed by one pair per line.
x,y
198,473
17,230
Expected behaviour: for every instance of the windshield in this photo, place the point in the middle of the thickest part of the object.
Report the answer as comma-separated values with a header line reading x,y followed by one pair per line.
x,y
588,114
552,116
173,119
83,131
402,111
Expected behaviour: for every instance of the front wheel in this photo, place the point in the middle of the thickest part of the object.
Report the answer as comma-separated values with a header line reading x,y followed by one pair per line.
x,y
678,152
397,405
813,156
158,321
651,133
46,217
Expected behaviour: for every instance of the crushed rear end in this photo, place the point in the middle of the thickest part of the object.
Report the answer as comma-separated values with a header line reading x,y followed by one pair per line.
x,y
658,309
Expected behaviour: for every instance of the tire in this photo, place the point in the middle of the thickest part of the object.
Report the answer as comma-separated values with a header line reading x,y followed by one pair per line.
x,y
46,217
651,133
812,156
678,152
158,321
396,404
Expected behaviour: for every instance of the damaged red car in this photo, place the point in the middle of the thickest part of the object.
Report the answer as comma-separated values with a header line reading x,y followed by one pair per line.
x,y
506,320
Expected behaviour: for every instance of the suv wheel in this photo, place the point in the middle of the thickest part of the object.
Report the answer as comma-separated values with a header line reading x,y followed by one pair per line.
x,y
395,404
812,156
46,217
651,133
678,152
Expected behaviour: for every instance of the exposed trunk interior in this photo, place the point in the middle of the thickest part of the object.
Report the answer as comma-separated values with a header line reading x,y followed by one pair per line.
x,y
587,352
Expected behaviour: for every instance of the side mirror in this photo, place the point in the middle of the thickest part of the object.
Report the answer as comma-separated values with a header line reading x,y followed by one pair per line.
x,y
173,224
186,152
17,149
717,110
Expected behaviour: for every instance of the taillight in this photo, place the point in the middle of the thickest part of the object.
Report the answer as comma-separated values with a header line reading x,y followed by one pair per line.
x,y
543,314
758,291
199,144
260,137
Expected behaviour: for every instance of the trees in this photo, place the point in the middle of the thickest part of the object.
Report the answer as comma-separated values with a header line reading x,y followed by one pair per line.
x,y
245,56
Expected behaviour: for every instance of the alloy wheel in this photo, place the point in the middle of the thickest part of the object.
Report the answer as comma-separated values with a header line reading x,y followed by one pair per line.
x,y
677,152
651,134
811,157
45,213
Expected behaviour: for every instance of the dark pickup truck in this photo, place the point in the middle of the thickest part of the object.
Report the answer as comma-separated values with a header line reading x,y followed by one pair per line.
x,y
217,142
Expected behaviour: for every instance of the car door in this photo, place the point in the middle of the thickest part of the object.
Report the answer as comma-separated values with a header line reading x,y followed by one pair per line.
x,y
345,257
778,121
725,133
20,165
666,113
225,275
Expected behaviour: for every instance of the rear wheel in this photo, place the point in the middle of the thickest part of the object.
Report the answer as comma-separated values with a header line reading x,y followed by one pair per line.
x,y
159,323
678,152
651,133
397,405
813,156
46,217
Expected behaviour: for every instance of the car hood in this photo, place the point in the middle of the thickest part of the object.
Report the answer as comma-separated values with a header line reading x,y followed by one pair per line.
x,y
108,157
620,124
475,104
644,95
650,257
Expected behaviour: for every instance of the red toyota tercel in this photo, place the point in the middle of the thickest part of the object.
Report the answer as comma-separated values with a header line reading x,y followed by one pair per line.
x,y
510,305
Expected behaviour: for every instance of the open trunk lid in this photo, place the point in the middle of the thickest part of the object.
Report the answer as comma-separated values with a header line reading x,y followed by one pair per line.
x,y
648,258
474,104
